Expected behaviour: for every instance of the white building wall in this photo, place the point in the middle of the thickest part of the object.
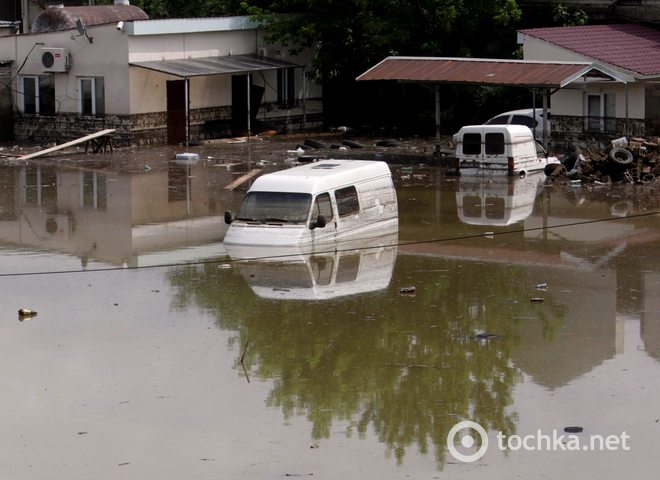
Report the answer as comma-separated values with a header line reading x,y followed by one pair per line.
x,y
108,44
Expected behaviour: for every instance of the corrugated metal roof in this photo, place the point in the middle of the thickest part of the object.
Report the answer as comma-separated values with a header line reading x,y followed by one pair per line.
x,y
55,19
633,47
478,71
195,67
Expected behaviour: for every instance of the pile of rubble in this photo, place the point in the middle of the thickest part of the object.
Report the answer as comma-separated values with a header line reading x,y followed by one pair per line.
x,y
626,161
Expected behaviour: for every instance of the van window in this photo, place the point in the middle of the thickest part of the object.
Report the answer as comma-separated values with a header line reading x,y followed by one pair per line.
x,y
524,120
347,201
322,206
494,143
472,143
275,206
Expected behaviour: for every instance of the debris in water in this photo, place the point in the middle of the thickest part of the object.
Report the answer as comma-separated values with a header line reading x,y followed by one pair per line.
x,y
485,336
489,234
26,314
573,429
408,291
542,286
536,300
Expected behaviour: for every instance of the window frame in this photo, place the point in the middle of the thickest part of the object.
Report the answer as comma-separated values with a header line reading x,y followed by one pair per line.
x,y
286,87
39,94
96,96
347,200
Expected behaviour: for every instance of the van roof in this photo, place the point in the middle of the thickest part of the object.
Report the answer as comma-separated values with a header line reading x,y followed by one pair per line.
x,y
321,176
512,131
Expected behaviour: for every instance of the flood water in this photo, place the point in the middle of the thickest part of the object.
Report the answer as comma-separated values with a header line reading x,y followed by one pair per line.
x,y
524,307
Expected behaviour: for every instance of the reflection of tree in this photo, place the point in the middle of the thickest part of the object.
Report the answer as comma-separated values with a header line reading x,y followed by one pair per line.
x,y
405,367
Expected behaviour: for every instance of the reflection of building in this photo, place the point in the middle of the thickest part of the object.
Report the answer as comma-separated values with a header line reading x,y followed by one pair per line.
x,y
497,201
333,272
650,315
554,353
111,215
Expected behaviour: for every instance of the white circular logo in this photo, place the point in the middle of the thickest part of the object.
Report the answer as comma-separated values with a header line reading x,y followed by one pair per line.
x,y
467,441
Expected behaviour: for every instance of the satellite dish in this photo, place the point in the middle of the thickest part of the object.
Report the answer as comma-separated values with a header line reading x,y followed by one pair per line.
x,y
80,27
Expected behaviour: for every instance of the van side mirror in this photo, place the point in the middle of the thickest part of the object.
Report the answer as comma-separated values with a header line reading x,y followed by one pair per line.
x,y
319,223
228,217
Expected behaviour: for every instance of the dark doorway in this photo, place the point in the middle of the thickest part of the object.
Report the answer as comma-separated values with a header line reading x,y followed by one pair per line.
x,y
6,108
176,112
239,110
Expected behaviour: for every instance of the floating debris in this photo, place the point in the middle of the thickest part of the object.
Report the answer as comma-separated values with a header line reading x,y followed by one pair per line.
x,y
541,286
485,336
26,314
489,234
408,291
573,429
536,300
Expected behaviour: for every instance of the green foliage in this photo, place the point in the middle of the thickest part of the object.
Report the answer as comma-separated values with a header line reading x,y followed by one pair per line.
x,y
566,17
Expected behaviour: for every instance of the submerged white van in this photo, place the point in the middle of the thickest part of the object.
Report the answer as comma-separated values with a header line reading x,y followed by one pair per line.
x,y
499,150
322,202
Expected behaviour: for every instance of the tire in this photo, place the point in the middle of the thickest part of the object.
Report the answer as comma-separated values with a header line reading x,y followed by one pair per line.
x,y
621,156
388,143
310,142
554,170
352,144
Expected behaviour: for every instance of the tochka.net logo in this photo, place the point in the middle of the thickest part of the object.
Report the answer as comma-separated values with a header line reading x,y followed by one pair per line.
x,y
467,441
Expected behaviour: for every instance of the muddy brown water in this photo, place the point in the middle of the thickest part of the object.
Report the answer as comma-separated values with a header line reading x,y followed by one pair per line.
x,y
154,355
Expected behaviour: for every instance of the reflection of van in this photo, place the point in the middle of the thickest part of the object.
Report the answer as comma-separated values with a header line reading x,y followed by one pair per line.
x,y
499,150
496,201
323,275
320,202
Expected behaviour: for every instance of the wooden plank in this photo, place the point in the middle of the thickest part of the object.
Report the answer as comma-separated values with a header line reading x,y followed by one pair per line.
x,y
77,141
243,178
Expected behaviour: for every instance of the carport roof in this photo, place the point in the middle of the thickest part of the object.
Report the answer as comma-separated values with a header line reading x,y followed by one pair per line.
x,y
482,71
195,67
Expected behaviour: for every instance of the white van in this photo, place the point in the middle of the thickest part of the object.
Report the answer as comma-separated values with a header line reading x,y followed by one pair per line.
x,y
320,202
499,150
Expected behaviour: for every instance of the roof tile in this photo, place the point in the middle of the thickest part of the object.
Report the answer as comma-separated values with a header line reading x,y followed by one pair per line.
x,y
633,47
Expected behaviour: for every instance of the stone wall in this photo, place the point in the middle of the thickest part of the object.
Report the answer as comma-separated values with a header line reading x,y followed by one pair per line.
x,y
141,129
573,126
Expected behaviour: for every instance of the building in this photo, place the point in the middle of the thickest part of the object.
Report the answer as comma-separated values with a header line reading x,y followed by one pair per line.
x,y
83,69
629,107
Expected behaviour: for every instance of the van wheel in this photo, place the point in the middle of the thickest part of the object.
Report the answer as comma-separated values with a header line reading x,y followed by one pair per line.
x,y
621,156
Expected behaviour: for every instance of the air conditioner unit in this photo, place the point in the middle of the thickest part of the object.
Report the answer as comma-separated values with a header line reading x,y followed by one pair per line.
x,y
55,59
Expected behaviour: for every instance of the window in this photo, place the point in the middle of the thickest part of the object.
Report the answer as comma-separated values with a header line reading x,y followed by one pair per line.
x,y
601,112
347,201
93,190
524,120
92,96
286,87
501,120
322,206
472,143
39,95
494,143
264,207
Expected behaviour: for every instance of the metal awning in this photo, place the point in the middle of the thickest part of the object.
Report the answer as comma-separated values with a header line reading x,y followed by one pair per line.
x,y
226,65
481,71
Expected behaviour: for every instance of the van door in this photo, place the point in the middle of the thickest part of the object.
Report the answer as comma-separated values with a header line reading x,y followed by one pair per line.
x,y
323,206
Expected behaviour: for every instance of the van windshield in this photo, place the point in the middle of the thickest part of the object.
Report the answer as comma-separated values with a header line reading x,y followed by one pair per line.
x,y
265,207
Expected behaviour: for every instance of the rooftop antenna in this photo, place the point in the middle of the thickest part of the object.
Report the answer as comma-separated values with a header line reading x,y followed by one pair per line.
x,y
82,30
